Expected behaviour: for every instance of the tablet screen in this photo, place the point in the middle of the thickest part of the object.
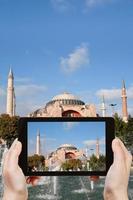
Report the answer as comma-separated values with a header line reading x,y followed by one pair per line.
x,y
66,146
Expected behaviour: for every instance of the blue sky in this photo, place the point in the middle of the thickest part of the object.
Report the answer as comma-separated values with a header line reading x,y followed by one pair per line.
x,y
84,47
80,134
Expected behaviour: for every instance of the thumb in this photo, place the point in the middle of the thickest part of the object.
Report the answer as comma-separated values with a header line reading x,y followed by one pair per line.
x,y
14,155
118,152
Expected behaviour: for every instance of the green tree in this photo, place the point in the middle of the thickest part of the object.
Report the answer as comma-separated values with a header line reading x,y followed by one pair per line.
x,y
8,128
120,127
124,131
97,164
129,133
36,161
72,164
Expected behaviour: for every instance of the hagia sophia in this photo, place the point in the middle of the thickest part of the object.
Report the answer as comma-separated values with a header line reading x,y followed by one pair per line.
x,y
64,152
63,105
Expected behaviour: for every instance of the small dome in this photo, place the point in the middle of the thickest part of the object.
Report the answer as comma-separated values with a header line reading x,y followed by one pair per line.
x,y
66,99
65,95
67,146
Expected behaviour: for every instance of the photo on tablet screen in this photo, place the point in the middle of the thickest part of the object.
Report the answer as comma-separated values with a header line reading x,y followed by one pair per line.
x,y
66,146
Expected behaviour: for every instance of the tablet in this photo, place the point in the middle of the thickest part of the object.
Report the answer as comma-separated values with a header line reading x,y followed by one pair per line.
x,y
66,146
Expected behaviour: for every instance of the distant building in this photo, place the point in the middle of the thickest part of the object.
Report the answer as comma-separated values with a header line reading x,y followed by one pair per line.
x,y
65,105
124,103
11,99
97,148
63,153
38,144
103,107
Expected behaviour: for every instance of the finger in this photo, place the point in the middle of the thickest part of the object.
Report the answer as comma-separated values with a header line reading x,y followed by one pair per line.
x,y
33,180
6,156
128,156
13,144
123,147
13,155
119,156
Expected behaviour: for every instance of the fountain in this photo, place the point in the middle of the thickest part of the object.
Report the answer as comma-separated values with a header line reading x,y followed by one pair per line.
x,y
3,149
55,185
92,185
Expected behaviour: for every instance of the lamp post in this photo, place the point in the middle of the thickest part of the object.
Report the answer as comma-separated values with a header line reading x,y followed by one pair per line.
x,y
91,150
112,106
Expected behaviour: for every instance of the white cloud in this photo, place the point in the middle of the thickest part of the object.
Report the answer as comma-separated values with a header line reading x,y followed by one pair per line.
x,y
29,89
109,94
130,92
92,3
29,97
75,60
26,106
89,142
93,142
113,94
69,125
22,79
60,5
65,5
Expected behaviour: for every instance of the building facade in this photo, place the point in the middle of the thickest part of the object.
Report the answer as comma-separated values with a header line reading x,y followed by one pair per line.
x,y
63,153
11,99
65,105
124,103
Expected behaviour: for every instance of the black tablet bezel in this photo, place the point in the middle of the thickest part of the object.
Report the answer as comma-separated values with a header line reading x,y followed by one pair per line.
x,y
22,132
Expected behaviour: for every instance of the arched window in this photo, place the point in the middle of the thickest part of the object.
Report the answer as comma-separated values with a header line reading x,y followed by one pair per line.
x,y
71,113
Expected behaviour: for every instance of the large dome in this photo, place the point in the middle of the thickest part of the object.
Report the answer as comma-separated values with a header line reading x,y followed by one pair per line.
x,y
65,95
66,99
67,146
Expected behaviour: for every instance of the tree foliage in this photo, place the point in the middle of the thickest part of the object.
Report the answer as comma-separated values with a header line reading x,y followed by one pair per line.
x,y
72,164
120,127
36,161
97,164
124,130
129,134
8,128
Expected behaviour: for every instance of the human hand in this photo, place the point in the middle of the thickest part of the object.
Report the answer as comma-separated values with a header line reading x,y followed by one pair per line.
x,y
14,179
33,180
116,182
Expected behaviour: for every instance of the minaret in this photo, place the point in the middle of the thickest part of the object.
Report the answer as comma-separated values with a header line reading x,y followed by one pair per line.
x,y
124,103
10,94
97,148
38,143
14,104
103,107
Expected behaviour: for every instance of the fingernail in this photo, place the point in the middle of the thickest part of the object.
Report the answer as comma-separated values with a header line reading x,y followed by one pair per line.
x,y
17,146
117,141
14,142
